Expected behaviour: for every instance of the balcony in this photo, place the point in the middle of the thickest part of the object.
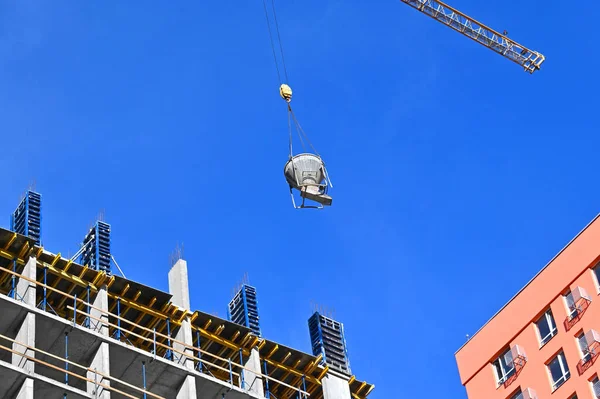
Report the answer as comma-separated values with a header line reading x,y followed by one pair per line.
x,y
592,340
581,301
515,360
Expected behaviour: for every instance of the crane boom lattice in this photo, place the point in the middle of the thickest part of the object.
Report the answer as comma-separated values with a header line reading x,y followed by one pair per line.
x,y
499,43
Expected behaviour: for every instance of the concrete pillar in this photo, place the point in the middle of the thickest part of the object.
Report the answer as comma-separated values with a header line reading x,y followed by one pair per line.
x,y
184,335
179,288
26,289
26,391
252,380
178,284
335,386
101,302
101,364
25,336
188,388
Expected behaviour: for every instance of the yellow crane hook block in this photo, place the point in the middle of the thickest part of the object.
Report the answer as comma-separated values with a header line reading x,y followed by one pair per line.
x,y
285,92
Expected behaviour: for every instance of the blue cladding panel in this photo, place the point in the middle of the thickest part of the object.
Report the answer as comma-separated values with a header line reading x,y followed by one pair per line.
x,y
96,254
27,218
243,309
327,339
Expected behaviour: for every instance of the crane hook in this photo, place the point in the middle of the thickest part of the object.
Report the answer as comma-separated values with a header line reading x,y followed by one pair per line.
x,y
285,92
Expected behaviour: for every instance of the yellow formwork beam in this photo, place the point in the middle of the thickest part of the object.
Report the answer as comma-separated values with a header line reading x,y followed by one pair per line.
x,y
275,348
70,288
297,373
220,340
9,243
25,249
8,255
68,265
55,260
308,369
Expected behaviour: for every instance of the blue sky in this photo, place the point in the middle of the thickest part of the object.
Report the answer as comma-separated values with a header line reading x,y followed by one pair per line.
x,y
457,175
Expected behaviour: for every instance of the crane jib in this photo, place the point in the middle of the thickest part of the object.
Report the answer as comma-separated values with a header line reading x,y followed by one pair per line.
x,y
530,60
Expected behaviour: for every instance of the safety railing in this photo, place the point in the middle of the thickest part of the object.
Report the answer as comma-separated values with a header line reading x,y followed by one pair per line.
x,y
234,371
581,302
96,373
589,358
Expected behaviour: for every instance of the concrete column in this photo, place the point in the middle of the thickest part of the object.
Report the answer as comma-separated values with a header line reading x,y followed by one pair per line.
x,y
101,364
26,391
178,284
101,302
25,336
335,386
179,288
252,379
184,335
188,388
25,289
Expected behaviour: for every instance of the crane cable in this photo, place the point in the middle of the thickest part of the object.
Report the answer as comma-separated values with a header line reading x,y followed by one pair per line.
x,y
284,90
273,43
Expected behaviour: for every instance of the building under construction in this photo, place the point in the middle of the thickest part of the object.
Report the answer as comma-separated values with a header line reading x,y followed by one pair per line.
x,y
69,330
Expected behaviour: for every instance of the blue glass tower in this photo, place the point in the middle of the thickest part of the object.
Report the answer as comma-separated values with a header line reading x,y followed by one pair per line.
x,y
327,339
243,309
96,248
27,218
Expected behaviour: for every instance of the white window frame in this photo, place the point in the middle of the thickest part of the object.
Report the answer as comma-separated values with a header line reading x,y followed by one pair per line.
x,y
548,317
564,367
506,373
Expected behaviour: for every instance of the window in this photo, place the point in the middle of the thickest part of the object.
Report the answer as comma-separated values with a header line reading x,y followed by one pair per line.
x,y
572,310
517,395
527,393
546,327
583,347
504,367
558,370
596,387
596,271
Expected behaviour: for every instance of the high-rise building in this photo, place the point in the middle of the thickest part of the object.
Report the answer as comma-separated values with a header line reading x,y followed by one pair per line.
x,y
27,218
545,342
96,248
243,309
327,339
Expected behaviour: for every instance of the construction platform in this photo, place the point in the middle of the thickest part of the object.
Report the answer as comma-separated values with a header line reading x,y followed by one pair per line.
x,y
69,331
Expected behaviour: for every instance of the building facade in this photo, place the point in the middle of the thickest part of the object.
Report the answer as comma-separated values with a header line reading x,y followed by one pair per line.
x,y
545,342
